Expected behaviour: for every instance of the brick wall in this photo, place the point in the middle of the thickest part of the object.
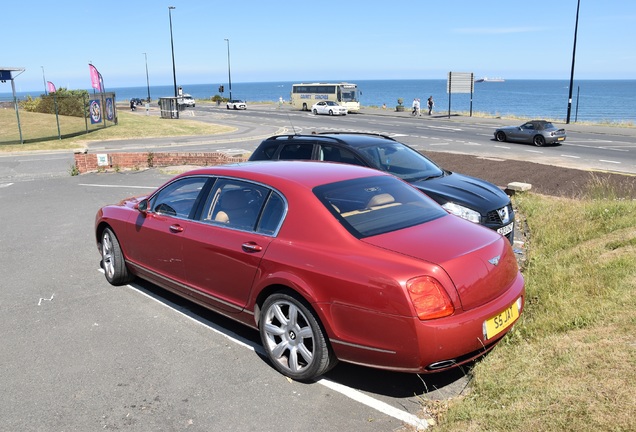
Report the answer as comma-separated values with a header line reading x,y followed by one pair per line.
x,y
90,162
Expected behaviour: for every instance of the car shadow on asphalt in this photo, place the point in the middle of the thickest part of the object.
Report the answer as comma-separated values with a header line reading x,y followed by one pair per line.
x,y
437,386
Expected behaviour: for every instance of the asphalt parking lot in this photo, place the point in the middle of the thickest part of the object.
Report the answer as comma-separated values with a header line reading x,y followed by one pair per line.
x,y
79,354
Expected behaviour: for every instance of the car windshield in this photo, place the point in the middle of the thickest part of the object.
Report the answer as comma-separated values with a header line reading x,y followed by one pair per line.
x,y
401,161
377,205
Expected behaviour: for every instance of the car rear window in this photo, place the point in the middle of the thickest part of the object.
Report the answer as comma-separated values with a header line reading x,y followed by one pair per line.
x,y
377,205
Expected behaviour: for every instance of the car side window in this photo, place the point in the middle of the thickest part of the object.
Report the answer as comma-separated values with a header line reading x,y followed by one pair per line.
x,y
296,152
233,203
178,198
272,215
329,153
528,126
265,152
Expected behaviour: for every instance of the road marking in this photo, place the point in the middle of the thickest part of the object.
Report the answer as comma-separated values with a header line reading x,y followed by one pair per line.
x,y
6,185
376,404
534,151
353,394
570,156
45,299
502,147
43,159
445,128
117,186
609,161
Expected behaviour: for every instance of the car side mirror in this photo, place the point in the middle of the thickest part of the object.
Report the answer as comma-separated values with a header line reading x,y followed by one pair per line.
x,y
142,206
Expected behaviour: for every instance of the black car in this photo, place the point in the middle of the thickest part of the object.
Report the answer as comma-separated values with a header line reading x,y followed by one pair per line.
x,y
468,197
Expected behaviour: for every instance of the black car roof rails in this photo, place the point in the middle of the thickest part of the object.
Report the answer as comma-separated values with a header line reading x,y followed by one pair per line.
x,y
357,133
328,136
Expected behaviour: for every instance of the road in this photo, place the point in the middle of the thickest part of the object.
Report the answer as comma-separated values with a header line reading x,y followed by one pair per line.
x,y
79,354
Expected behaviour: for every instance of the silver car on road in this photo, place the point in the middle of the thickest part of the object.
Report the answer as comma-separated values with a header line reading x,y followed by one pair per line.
x,y
537,132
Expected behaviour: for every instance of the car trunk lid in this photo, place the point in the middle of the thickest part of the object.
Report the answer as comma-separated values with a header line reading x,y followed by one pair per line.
x,y
479,261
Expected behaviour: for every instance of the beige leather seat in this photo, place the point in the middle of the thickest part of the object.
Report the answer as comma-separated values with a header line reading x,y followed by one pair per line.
x,y
234,209
381,200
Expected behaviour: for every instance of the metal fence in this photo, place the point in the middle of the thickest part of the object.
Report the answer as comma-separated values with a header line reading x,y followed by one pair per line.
x,y
49,117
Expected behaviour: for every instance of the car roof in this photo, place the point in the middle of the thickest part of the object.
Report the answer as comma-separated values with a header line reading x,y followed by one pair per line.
x,y
308,174
351,139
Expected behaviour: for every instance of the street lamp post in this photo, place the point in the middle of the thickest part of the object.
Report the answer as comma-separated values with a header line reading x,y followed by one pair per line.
x,y
576,28
229,75
174,70
46,92
147,79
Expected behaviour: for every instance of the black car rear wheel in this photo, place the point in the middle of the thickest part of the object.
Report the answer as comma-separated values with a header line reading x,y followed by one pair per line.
x,y
500,136
538,140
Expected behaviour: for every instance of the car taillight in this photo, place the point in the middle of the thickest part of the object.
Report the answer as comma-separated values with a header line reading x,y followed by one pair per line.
x,y
429,298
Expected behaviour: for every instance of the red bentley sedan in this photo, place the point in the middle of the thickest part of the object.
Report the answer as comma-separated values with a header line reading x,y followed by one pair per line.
x,y
328,261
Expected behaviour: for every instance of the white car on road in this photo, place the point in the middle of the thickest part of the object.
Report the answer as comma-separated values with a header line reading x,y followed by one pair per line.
x,y
186,100
236,104
328,107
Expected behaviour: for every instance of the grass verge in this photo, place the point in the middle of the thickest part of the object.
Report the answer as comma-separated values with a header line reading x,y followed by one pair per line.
x,y
570,363
40,130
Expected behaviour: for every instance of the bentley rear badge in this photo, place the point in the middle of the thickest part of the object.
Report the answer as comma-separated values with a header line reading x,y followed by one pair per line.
x,y
494,261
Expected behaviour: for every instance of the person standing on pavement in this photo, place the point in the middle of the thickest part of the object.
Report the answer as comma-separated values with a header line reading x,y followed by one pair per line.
x,y
416,107
431,104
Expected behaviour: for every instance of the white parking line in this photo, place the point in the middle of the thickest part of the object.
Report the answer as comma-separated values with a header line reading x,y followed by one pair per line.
x,y
117,186
570,156
609,161
349,392
502,147
5,185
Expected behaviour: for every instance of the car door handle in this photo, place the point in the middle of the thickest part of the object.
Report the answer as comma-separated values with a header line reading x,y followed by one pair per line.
x,y
251,247
176,228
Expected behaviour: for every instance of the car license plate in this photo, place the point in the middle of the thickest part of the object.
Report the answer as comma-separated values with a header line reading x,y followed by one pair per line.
x,y
560,138
507,229
499,323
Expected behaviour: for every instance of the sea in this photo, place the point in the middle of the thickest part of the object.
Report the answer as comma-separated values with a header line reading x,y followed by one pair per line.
x,y
612,101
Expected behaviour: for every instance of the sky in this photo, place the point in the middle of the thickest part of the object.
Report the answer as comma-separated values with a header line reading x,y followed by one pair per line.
x,y
312,41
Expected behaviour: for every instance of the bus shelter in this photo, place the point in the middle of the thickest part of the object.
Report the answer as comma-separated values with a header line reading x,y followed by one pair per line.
x,y
169,107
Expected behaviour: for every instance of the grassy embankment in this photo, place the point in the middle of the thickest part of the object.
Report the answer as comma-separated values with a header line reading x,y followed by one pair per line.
x,y
570,363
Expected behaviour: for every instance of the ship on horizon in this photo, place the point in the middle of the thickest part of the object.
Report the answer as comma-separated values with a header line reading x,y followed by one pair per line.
x,y
486,79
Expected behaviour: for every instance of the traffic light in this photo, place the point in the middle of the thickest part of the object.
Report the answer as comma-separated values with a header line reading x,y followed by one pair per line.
x,y
221,89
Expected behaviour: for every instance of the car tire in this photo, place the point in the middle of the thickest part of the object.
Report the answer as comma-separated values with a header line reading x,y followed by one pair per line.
x,y
538,140
315,112
500,136
330,112
113,261
293,339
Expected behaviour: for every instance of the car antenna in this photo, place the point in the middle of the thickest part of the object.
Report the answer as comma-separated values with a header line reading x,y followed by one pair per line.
x,y
292,125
